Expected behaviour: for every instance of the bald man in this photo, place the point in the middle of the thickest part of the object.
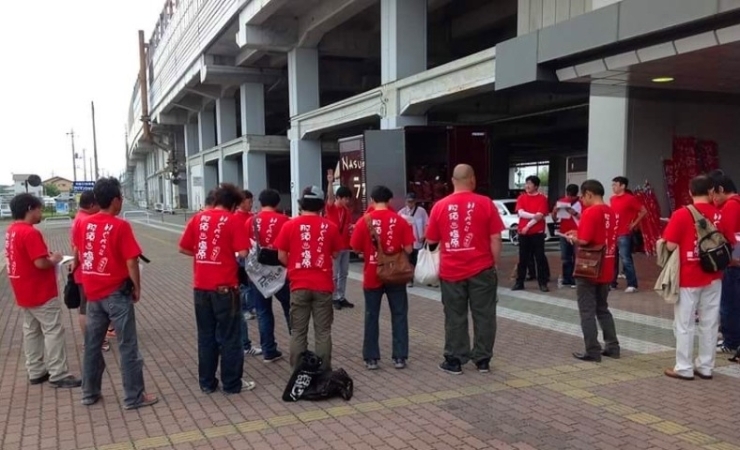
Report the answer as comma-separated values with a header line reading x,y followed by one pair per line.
x,y
468,228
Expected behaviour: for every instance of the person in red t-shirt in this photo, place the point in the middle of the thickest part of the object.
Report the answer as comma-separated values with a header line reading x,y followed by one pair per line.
x,y
307,246
727,199
395,235
86,207
108,255
468,228
267,224
698,290
597,227
532,208
31,269
338,212
568,224
213,237
629,212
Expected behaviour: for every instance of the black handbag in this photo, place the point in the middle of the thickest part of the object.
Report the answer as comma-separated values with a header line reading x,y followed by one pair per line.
x,y
265,256
72,297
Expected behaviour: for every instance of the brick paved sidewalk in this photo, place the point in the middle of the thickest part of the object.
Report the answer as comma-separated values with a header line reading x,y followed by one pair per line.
x,y
537,396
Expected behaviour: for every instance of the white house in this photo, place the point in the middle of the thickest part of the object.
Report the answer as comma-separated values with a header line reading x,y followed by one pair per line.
x,y
19,185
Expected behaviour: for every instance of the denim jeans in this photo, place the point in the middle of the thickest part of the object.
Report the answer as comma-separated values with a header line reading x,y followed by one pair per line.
x,y
568,256
119,310
729,308
398,302
218,318
244,294
624,254
266,318
341,270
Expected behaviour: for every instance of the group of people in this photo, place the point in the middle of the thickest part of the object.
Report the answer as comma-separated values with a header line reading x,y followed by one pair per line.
x,y
314,250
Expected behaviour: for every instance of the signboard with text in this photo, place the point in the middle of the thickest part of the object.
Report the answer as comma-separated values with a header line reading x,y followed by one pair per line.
x,y
81,186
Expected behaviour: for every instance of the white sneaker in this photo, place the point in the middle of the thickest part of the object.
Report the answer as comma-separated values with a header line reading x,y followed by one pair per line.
x,y
253,351
630,290
248,385
249,315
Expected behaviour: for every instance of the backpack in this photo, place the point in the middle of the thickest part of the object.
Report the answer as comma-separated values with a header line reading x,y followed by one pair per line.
x,y
715,253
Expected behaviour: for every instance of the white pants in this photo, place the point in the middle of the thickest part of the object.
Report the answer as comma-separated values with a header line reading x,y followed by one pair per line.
x,y
706,300
43,341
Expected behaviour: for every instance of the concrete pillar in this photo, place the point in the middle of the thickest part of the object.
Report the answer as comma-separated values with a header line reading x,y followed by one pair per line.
x,y
225,120
303,87
252,96
230,169
403,44
608,126
255,171
206,129
190,131
403,38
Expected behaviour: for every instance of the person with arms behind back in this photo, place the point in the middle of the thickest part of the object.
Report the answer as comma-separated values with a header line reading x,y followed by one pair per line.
x,y
108,254
395,235
307,246
597,227
31,269
267,225
468,228
698,289
212,237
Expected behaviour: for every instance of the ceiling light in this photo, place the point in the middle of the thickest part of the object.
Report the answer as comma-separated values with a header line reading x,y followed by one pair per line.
x,y
663,79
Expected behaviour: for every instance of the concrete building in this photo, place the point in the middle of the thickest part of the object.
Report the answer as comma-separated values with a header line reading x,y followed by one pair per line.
x,y
265,92
19,185
62,184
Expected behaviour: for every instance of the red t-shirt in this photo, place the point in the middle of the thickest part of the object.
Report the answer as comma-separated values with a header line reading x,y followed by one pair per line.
x,y
570,223
311,242
731,214
341,216
269,224
533,204
626,207
463,224
214,236
104,243
394,233
33,287
79,218
681,230
242,216
371,208
598,227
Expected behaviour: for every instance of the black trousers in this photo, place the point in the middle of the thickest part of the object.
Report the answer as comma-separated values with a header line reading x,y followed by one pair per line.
x,y
532,247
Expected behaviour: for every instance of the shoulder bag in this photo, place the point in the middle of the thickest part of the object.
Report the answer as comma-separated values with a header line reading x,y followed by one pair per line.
x,y
265,256
392,269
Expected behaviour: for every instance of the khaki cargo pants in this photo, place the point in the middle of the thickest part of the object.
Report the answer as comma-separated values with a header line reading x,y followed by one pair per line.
x,y
304,305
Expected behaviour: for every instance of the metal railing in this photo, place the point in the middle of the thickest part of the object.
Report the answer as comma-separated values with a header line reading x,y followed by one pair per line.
x,y
148,215
56,222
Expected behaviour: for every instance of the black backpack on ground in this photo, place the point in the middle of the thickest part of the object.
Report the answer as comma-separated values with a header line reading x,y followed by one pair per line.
x,y
310,382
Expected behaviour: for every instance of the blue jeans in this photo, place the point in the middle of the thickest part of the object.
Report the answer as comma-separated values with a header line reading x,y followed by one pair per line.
x,y
119,310
244,294
266,318
729,308
218,318
398,302
624,254
568,257
243,288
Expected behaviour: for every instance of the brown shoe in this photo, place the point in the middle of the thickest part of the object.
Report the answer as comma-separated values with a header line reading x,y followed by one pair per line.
x,y
672,374
702,376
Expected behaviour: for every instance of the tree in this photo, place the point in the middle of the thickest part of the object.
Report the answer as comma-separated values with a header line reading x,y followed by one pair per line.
x,y
51,190
544,174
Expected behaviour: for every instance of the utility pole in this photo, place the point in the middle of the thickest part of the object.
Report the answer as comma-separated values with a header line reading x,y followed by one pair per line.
x,y
90,162
95,142
71,134
84,163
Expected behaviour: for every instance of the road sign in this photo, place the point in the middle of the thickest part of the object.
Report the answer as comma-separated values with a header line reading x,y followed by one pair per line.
x,y
81,186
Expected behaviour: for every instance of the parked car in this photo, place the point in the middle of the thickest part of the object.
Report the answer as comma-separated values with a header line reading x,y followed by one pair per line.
x,y
5,212
507,211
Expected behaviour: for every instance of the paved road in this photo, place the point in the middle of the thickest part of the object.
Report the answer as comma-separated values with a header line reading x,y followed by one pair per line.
x,y
537,396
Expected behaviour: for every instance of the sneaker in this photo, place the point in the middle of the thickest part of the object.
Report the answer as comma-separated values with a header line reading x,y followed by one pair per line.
x,y
89,401
451,366
42,379
147,400
484,365
371,364
630,290
337,305
211,389
249,315
67,382
345,304
724,349
518,287
253,351
248,385
399,363
622,276
272,358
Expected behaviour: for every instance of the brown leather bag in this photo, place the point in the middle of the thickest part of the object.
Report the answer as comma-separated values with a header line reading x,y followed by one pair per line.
x,y
392,269
588,261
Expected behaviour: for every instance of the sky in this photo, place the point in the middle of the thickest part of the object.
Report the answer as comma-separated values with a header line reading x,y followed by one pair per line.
x,y
57,57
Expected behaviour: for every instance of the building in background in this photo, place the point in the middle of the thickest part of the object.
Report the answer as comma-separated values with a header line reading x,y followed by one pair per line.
x,y
63,185
20,186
